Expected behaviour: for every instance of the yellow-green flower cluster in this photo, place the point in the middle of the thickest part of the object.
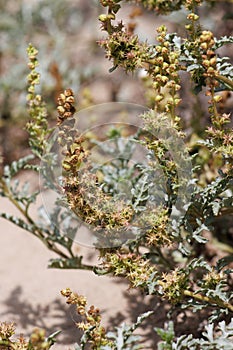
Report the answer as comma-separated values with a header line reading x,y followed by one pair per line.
x,y
136,269
162,6
37,127
164,70
221,136
158,233
191,4
6,330
124,49
38,340
212,279
173,284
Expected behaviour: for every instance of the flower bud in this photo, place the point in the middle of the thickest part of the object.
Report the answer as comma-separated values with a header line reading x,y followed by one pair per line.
x,y
158,98
217,98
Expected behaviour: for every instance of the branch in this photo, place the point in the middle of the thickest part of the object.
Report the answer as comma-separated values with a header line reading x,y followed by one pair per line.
x,y
208,300
225,80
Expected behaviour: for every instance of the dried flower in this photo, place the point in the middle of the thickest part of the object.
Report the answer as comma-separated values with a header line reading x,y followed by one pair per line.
x,y
91,323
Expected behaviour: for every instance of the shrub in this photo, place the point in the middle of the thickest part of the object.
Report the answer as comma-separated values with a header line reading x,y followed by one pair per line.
x,y
156,236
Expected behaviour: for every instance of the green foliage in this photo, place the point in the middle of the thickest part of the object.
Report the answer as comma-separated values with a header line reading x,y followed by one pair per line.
x,y
124,338
208,341
167,335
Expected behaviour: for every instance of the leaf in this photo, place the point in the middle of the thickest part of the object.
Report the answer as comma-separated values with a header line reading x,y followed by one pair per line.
x,y
113,68
209,334
185,342
52,338
222,340
141,318
124,338
12,169
224,262
33,167
166,334
151,283
192,67
59,263
197,263
223,41
100,271
17,221
197,233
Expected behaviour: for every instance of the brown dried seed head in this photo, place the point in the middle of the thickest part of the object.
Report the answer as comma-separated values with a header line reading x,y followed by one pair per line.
x,y
68,92
61,110
67,106
66,292
70,99
61,99
67,115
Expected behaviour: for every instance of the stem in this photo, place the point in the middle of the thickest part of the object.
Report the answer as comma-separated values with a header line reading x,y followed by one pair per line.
x,y
224,247
8,194
214,104
51,246
225,80
208,300
173,106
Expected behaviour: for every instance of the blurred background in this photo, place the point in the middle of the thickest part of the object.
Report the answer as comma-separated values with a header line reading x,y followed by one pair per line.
x,y
66,34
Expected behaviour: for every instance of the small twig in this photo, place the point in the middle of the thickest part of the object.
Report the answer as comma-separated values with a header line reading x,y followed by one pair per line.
x,y
225,80
208,300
